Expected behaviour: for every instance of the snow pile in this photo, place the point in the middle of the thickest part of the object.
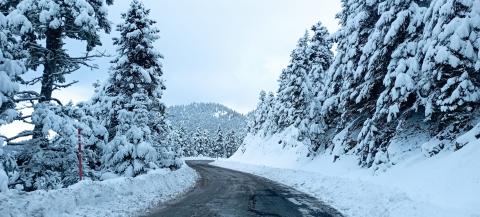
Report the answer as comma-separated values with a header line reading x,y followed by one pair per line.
x,y
113,197
447,184
3,181
281,149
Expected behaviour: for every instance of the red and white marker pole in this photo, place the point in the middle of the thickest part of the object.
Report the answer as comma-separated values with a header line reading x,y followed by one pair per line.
x,y
79,155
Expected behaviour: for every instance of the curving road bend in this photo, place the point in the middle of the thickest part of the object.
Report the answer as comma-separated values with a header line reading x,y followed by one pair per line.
x,y
228,193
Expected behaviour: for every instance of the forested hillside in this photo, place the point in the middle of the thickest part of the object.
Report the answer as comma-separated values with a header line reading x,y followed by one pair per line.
x,y
207,116
207,129
404,78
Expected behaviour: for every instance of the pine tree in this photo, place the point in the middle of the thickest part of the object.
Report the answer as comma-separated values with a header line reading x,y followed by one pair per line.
x,y
270,125
357,20
52,22
135,86
397,27
396,22
44,162
399,94
259,115
171,149
183,141
94,137
293,95
320,58
203,145
57,165
449,88
196,145
11,67
219,148
232,143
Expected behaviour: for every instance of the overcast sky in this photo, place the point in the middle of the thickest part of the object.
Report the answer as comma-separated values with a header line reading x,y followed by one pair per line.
x,y
221,51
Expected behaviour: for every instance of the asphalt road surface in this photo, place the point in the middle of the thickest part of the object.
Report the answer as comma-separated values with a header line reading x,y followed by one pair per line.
x,y
223,192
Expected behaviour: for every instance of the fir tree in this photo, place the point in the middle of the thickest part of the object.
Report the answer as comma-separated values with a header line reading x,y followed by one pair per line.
x,y
137,124
219,148
11,67
232,143
259,115
449,88
57,165
270,125
293,95
196,145
320,58
357,20
54,21
397,27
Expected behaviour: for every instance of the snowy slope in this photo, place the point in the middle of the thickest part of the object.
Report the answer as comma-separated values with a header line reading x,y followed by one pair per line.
x,y
113,197
445,185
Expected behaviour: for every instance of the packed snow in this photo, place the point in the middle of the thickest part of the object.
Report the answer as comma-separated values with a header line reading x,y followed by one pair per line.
x,y
113,197
447,184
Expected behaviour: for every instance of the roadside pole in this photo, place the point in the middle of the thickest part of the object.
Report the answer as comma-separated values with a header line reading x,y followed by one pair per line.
x,y
79,156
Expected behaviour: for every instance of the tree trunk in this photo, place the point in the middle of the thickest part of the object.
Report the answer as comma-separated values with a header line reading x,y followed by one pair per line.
x,y
50,72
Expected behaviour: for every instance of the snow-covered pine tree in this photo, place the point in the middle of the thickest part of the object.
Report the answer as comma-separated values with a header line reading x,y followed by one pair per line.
x,y
94,137
188,145
293,95
450,81
399,23
232,142
202,143
196,144
56,165
137,124
259,115
210,145
11,67
45,25
320,58
391,29
219,148
270,125
357,20
399,94
183,140
170,151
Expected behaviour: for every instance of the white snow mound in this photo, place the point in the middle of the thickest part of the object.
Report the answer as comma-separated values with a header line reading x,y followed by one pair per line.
x,y
113,197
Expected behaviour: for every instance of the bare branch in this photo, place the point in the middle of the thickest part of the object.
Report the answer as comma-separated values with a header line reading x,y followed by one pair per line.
x,y
20,135
32,81
59,86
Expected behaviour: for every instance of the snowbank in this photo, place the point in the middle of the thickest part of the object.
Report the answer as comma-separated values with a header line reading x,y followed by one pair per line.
x,y
3,181
114,197
445,185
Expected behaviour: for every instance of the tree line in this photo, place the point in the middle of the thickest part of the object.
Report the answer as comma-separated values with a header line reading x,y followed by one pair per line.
x,y
399,65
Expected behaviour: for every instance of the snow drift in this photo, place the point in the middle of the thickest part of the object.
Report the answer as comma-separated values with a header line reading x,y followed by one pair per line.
x,y
113,197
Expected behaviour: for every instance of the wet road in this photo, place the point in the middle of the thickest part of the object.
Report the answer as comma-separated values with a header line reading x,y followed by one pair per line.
x,y
223,192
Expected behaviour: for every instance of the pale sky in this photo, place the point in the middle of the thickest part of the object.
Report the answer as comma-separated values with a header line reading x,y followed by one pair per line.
x,y
221,51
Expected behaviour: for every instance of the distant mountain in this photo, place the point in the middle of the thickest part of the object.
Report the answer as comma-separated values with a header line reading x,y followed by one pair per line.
x,y
206,116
